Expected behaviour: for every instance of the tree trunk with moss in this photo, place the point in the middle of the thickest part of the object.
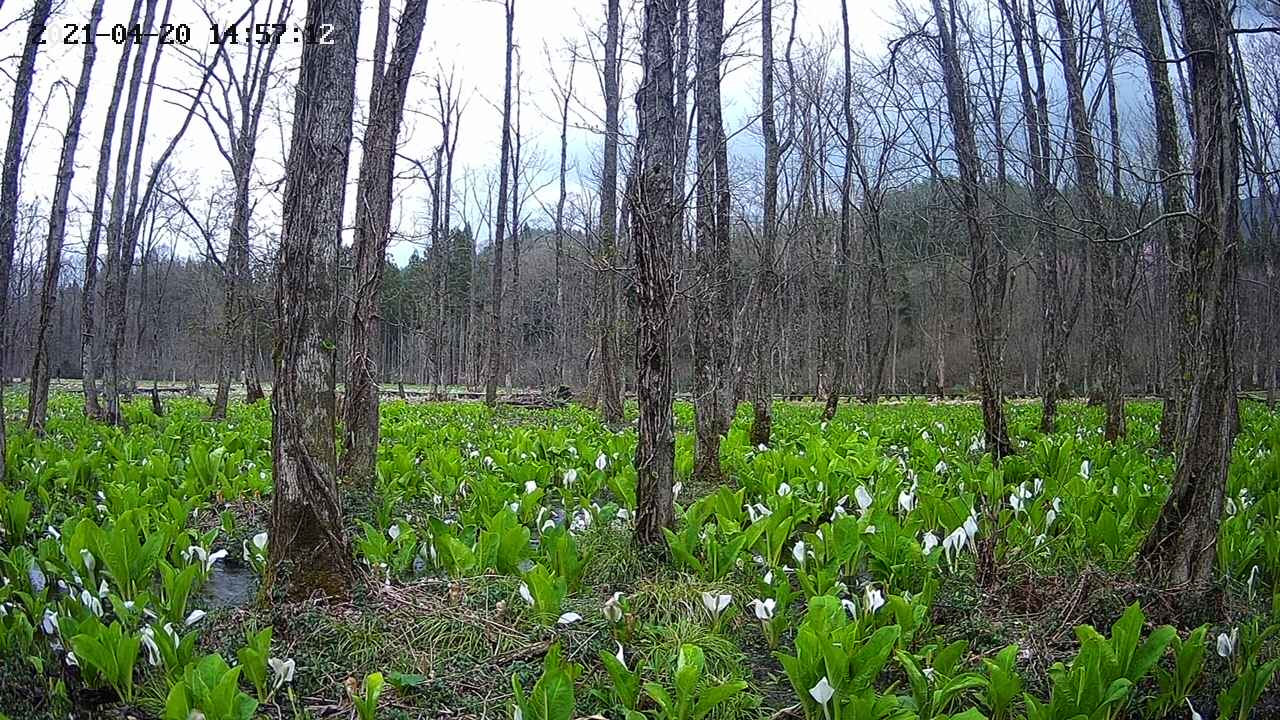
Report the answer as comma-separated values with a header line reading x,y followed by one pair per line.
x,y
1181,550
309,553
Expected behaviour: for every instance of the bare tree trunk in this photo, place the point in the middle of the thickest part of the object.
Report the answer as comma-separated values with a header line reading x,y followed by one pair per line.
x,y
844,270
561,341
515,339
9,191
309,552
995,430
373,232
1104,263
240,121
654,238
609,385
766,278
38,401
1038,144
1146,20
712,316
252,382
1182,547
500,225
89,296
119,230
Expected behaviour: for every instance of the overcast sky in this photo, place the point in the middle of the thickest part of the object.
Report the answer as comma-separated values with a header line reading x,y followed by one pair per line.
x,y
466,35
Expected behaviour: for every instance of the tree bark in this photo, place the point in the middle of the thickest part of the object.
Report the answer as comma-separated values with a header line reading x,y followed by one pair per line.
x,y
844,267
1146,21
1104,261
561,341
1182,547
609,385
654,237
712,315
496,333
373,233
309,552
119,231
766,277
9,191
995,430
38,400
89,293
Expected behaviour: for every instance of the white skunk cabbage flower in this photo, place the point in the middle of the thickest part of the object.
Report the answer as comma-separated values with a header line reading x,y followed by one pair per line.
x,y
874,599
1227,643
906,501
799,552
822,692
764,608
930,542
715,604
863,498
283,670
602,461
148,639
613,608
92,603
953,544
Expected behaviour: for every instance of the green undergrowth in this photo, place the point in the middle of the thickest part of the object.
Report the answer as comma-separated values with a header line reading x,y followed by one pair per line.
x,y
492,545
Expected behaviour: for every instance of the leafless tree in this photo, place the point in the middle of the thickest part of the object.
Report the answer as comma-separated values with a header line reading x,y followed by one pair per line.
x,y
309,552
373,233
496,330
608,391
38,400
233,114
1181,549
654,237
1105,266
995,430
9,186
712,316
